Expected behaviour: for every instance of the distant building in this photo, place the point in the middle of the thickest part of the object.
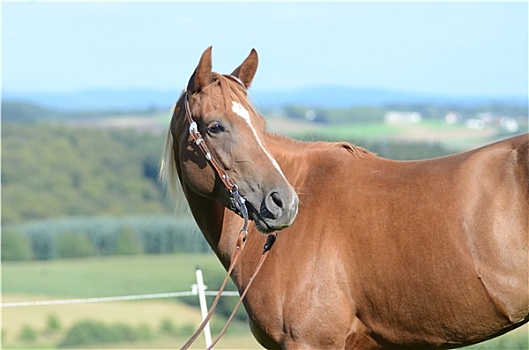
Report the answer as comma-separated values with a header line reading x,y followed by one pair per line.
x,y
509,124
393,117
476,124
452,118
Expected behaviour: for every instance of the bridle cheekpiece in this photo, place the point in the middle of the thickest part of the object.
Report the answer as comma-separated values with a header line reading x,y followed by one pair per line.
x,y
237,201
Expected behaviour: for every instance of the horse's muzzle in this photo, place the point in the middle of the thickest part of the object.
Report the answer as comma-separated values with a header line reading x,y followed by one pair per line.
x,y
277,211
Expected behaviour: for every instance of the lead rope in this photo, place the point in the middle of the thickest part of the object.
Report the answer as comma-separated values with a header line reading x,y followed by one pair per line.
x,y
241,240
268,245
239,247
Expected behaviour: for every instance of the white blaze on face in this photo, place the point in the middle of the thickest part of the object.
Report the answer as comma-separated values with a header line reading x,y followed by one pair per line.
x,y
245,115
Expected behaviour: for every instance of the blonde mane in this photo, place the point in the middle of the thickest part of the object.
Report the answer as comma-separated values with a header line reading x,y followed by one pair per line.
x,y
168,175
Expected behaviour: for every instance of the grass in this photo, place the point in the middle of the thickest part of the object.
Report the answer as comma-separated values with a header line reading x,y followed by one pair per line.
x,y
351,131
110,276
149,313
456,137
113,276
514,340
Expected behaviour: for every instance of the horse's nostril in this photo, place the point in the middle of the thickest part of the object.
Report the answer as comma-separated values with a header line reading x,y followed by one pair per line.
x,y
272,206
276,210
276,198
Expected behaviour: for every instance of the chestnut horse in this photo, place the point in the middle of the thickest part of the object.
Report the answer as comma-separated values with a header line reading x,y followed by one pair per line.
x,y
373,253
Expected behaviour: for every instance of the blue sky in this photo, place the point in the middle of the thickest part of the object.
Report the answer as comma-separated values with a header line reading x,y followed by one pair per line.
x,y
443,48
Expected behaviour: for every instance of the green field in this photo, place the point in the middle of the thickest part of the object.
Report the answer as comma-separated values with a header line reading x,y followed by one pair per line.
x,y
454,137
115,276
110,276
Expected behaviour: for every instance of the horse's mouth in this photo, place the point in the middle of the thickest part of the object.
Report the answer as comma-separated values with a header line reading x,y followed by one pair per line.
x,y
259,220
263,219
275,211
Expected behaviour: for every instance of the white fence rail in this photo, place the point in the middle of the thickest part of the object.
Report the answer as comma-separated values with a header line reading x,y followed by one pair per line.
x,y
196,289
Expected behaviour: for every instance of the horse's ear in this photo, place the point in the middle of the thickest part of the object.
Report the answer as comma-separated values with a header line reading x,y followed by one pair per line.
x,y
202,75
246,71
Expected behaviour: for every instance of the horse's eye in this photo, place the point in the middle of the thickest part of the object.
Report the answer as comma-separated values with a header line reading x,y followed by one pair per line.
x,y
215,128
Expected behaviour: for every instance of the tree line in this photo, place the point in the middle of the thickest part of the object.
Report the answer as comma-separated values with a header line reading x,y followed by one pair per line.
x,y
101,236
55,170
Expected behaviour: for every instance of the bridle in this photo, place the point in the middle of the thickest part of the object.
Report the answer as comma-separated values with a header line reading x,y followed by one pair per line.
x,y
239,206
237,201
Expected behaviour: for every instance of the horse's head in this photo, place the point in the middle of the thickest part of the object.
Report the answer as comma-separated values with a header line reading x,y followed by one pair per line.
x,y
233,135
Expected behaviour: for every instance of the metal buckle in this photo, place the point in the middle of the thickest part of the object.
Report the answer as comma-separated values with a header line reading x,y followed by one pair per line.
x,y
193,128
239,204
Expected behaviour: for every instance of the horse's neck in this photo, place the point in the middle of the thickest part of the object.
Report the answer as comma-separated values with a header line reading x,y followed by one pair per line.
x,y
297,158
294,157
220,226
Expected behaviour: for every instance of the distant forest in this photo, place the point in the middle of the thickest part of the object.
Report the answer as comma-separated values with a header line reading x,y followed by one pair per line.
x,y
22,112
53,170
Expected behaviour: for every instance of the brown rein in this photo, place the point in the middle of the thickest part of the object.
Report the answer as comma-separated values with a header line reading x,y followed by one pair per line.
x,y
238,249
268,245
239,205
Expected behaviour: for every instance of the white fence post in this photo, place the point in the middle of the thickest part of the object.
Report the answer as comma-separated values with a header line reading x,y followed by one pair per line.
x,y
203,306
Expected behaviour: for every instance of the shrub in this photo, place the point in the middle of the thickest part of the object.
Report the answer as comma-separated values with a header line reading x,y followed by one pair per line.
x,y
185,330
122,332
74,245
53,324
128,242
28,333
88,332
145,332
43,245
15,245
167,326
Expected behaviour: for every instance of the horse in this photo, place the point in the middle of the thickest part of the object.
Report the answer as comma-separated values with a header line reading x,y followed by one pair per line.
x,y
371,253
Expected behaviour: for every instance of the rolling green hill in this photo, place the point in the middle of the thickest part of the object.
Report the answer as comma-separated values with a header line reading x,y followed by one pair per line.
x,y
51,170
